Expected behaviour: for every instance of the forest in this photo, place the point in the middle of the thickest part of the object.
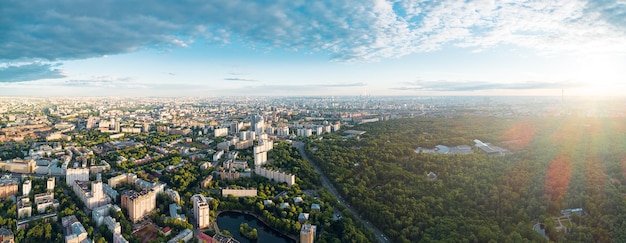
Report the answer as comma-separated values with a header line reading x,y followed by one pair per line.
x,y
552,164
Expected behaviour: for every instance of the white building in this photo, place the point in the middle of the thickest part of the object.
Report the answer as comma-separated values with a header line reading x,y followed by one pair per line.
x,y
118,238
221,132
260,151
26,187
201,210
258,124
304,132
75,232
319,130
44,201
24,207
217,155
50,184
76,174
93,197
277,176
282,131
101,215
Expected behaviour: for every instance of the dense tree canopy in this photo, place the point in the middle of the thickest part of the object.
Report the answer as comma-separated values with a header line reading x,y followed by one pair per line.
x,y
554,164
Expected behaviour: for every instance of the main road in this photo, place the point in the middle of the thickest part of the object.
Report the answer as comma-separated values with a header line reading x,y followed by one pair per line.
x,y
326,183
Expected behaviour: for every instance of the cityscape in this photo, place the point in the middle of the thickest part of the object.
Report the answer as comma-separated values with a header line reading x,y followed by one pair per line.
x,y
312,121
167,169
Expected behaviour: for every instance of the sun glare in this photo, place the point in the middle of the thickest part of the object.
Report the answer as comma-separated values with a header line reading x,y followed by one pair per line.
x,y
599,76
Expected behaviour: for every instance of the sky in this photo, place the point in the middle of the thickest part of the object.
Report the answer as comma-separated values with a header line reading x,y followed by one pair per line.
x,y
137,48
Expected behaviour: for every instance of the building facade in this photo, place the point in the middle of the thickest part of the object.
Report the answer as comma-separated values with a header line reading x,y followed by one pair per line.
x,y
92,198
201,210
277,176
8,186
139,204
18,165
239,192
76,174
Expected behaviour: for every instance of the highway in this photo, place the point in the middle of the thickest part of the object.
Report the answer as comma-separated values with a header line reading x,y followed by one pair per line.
x,y
326,183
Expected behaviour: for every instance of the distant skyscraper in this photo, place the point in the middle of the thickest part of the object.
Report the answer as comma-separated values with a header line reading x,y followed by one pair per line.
x,y
258,124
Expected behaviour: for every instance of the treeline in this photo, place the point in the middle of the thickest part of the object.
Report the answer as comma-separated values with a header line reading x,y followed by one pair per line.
x,y
556,163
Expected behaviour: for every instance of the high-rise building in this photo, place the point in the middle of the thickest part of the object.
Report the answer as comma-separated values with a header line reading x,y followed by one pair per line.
x,y
282,131
26,186
235,127
139,204
92,198
260,151
50,184
201,210
258,124
307,233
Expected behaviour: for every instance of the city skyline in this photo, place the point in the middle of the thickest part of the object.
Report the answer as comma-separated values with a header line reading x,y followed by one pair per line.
x,y
291,48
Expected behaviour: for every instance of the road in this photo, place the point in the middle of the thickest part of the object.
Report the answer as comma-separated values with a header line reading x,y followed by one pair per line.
x,y
326,183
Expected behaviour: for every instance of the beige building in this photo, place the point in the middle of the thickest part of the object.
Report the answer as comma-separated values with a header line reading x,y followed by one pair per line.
x,y
201,210
307,233
244,144
139,204
18,165
239,192
123,178
8,186
229,175
207,181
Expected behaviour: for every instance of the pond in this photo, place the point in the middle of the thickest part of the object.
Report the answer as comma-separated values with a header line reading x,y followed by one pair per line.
x,y
231,220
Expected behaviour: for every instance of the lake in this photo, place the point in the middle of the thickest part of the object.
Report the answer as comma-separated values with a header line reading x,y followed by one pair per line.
x,y
231,220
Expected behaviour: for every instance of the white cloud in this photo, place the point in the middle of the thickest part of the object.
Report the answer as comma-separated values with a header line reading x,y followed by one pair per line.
x,y
354,30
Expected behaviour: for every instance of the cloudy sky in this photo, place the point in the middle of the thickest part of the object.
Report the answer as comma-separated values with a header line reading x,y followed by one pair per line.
x,y
322,47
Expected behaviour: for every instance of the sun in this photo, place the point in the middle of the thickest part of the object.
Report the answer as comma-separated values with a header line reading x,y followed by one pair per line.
x,y
599,75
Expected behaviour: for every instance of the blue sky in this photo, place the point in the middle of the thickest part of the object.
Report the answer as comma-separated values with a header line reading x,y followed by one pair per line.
x,y
325,47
